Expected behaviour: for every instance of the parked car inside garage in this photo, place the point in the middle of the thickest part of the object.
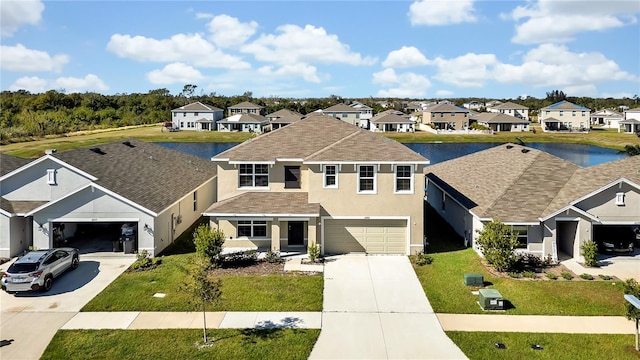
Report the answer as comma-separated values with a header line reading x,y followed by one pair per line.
x,y
616,238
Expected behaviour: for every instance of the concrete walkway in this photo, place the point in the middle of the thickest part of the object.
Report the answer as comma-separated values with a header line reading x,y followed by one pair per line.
x,y
375,308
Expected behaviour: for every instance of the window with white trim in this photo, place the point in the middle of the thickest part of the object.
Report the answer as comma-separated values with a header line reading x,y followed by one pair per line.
x,y
252,228
620,199
522,231
51,176
254,175
330,176
366,179
195,201
404,178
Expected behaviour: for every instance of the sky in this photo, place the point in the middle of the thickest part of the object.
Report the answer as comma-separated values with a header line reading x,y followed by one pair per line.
x,y
354,49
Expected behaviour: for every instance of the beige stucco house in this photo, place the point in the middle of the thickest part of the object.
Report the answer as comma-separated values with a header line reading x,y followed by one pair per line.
x,y
446,116
346,113
554,204
564,116
246,107
320,181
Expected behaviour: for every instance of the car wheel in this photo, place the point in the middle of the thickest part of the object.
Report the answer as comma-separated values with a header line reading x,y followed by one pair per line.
x,y
75,262
48,282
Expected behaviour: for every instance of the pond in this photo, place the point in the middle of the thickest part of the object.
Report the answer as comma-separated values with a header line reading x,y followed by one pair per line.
x,y
583,155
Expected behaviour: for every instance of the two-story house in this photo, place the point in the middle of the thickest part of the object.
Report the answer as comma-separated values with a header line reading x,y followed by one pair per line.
x,y
246,107
564,116
196,116
446,116
347,190
606,118
512,109
366,113
282,117
631,122
345,113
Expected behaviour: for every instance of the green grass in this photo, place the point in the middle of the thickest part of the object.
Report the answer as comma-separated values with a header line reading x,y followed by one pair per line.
x,y
443,283
133,291
480,345
181,344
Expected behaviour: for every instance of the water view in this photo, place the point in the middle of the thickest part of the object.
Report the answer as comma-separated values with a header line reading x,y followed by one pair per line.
x,y
583,155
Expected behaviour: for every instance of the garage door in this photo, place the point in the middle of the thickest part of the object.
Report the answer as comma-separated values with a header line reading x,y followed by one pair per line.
x,y
370,236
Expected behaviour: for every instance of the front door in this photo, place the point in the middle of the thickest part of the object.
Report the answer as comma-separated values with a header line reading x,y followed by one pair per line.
x,y
296,233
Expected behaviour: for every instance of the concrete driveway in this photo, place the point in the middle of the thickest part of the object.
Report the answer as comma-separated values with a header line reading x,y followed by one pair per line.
x,y
31,319
621,266
374,308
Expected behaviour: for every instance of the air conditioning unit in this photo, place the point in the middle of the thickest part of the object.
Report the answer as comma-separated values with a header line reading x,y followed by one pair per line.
x,y
474,280
490,299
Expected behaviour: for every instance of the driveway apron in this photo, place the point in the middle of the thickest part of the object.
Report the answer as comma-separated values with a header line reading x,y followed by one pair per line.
x,y
374,308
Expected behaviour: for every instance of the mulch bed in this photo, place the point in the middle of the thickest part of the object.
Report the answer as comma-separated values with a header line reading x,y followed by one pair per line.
x,y
257,268
541,273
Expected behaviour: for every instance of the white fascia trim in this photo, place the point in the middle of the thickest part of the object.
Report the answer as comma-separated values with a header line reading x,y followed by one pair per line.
x,y
524,223
571,207
96,186
367,162
248,217
90,220
6,213
618,222
264,162
609,185
289,159
49,157
227,215
213,158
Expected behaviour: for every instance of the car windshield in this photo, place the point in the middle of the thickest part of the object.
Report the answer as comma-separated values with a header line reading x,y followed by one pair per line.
x,y
22,268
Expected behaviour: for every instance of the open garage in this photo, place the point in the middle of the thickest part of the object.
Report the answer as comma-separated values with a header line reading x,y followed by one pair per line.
x,y
379,236
97,236
616,238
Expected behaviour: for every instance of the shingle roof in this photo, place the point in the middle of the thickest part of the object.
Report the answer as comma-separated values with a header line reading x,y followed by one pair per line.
x,y
147,174
340,108
630,121
390,119
283,112
509,182
447,108
286,119
245,118
510,105
9,163
246,105
565,105
197,106
322,138
498,118
18,207
266,203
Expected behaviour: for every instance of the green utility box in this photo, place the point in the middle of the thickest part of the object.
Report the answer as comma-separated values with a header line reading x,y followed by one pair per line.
x,y
473,280
490,299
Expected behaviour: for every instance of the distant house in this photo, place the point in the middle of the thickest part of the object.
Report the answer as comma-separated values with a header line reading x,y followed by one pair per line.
x,y
246,107
196,116
345,113
554,205
564,116
366,113
502,122
320,181
282,117
632,114
513,109
446,116
631,122
243,122
90,193
473,105
392,122
606,118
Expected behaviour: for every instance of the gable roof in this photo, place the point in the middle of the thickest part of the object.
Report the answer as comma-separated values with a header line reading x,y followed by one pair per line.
x,y
321,138
565,105
246,105
498,118
390,119
510,105
245,119
341,108
147,174
9,163
283,112
446,107
286,119
197,106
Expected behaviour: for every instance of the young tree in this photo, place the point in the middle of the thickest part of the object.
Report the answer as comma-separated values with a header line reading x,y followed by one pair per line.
x,y
204,287
498,242
208,243
632,286
590,252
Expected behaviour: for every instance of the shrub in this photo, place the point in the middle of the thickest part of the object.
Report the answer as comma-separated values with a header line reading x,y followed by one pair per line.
x,y
242,258
552,276
632,287
476,126
590,252
530,274
145,262
273,257
586,276
497,243
515,275
566,275
208,243
605,277
313,251
423,259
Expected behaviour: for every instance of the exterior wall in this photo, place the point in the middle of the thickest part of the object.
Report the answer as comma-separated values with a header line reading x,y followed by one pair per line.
x,y
577,121
228,180
186,120
352,118
603,205
228,226
242,127
519,113
31,183
460,120
15,235
460,219
632,114
235,111
393,127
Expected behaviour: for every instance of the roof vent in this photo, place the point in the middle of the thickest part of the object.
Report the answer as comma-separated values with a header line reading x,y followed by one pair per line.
x,y
524,151
50,151
129,144
97,151
509,146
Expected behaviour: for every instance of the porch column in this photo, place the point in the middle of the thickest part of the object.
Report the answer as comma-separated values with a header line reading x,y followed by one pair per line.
x,y
275,235
312,231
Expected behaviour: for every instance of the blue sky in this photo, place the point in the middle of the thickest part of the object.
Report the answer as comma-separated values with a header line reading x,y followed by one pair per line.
x,y
419,49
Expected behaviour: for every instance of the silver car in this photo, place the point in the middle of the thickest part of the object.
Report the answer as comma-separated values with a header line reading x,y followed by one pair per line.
x,y
37,269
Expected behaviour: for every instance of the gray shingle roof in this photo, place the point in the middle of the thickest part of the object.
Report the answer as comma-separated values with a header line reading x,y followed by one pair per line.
x,y
498,118
283,112
246,105
322,138
565,105
244,119
197,106
266,203
447,108
147,174
340,108
390,119
511,105
286,119
9,163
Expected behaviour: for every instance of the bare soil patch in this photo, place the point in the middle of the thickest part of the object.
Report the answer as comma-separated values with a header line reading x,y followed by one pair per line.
x,y
253,269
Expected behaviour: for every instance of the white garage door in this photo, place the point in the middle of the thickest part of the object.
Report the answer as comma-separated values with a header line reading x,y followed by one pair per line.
x,y
370,236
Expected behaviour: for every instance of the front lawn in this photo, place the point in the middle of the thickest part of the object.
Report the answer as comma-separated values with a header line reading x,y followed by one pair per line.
x,y
182,344
133,291
443,283
481,345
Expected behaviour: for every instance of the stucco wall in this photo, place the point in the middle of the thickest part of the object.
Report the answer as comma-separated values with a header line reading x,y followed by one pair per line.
x,y
603,205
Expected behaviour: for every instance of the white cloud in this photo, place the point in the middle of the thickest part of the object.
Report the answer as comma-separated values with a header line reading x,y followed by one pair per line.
x,y
70,85
14,14
444,93
405,85
19,58
581,90
469,70
559,21
175,73
305,71
185,48
441,12
406,56
620,95
227,31
307,45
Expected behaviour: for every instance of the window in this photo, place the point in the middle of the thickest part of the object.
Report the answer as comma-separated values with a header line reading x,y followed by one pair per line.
x,y
453,114
444,201
357,115
404,178
344,115
522,236
441,114
620,199
51,176
195,114
181,124
573,113
561,112
175,114
252,228
292,177
583,113
547,112
195,201
184,114
254,175
366,179
330,176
